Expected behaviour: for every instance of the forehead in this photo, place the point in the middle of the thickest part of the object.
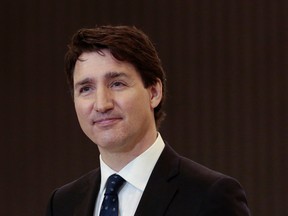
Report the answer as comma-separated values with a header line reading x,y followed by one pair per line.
x,y
95,59
98,64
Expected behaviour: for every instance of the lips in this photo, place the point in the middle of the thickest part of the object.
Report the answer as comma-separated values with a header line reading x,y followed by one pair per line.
x,y
106,121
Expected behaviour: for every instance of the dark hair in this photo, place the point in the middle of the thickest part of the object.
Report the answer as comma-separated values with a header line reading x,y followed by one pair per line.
x,y
125,43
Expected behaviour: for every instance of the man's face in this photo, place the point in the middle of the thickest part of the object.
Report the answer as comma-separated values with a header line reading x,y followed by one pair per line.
x,y
114,108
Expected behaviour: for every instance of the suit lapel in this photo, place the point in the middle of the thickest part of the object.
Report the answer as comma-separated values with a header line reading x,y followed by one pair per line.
x,y
88,195
162,185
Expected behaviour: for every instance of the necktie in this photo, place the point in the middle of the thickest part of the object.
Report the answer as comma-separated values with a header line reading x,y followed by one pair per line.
x,y
110,202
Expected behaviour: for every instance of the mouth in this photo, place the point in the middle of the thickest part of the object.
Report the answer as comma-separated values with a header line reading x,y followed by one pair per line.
x,y
105,122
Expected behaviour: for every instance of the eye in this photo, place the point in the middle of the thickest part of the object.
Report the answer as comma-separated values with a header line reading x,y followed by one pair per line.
x,y
84,89
117,84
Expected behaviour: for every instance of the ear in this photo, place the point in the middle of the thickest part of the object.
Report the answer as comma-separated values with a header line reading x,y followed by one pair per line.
x,y
155,94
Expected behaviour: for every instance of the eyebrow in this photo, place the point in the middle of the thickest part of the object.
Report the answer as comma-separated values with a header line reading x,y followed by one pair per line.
x,y
83,82
114,74
109,75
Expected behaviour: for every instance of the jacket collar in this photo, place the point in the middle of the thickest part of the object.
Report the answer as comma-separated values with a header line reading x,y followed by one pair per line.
x,y
162,185
88,194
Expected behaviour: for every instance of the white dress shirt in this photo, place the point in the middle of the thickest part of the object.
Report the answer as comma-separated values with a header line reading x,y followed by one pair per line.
x,y
136,173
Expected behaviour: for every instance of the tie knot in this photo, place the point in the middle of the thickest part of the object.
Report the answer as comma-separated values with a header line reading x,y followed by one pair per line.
x,y
113,184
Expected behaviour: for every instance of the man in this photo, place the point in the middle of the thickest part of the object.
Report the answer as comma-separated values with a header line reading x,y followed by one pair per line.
x,y
118,85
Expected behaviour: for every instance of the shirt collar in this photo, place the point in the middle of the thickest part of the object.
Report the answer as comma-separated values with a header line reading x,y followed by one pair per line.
x,y
138,171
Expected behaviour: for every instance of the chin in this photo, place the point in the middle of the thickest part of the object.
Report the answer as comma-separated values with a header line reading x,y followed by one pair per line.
x,y
106,142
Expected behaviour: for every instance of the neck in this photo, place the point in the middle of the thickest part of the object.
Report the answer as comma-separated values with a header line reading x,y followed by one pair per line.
x,y
116,160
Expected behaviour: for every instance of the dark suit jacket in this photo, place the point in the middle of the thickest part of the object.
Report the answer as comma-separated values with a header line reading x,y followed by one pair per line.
x,y
177,187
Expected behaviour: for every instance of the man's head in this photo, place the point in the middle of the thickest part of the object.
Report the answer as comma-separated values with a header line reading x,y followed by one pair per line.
x,y
127,44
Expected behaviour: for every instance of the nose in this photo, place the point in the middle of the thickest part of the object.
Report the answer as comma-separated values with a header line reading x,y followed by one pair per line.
x,y
103,101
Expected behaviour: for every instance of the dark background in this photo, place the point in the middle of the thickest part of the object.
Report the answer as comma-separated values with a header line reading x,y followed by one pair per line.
x,y
226,63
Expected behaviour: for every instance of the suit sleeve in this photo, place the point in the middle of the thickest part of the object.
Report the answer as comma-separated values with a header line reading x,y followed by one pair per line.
x,y
225,197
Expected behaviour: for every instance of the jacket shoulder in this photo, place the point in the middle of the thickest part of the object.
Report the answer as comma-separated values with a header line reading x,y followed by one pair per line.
x,y
74,195
80,183
215,193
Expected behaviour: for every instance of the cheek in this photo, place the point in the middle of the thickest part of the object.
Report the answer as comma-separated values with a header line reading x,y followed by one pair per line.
x,y
82,110
137,107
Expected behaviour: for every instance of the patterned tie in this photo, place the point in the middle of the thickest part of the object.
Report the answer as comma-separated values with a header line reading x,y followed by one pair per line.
x,y
110,202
